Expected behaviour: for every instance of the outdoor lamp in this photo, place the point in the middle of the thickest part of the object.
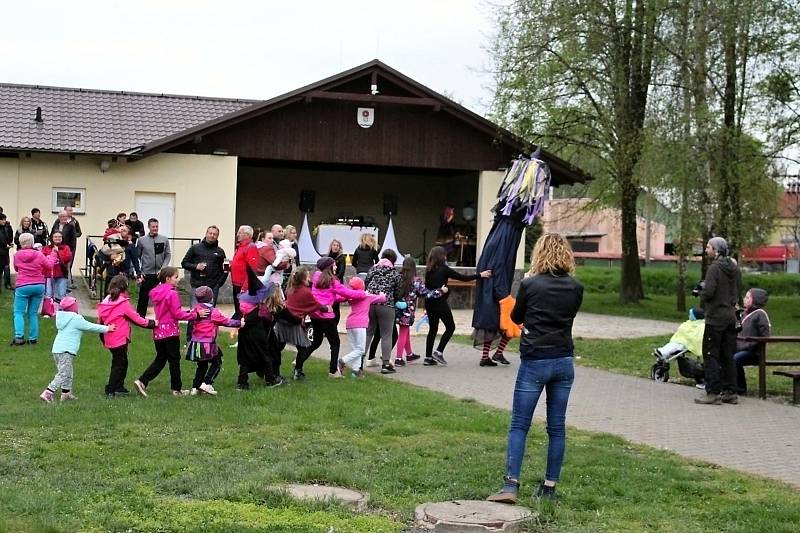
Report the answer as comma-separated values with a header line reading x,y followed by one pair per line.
x,y
468,212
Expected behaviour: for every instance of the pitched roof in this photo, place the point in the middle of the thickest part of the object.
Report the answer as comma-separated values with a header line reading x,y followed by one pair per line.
x,y
102,122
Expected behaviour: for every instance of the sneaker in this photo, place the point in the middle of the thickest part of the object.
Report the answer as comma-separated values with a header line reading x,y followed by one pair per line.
x,y
194,392
357,375
709,399
373,362
412,357
507,494
141,387
277,383
242,386
68,396
298,375
18,341
47,395
399,362
485,361
543,492
388,369
729,397
110,396
341,366
701,386
234,345
439,357
207,388
429,361
336,375
122,391
32,341
180,393
500,359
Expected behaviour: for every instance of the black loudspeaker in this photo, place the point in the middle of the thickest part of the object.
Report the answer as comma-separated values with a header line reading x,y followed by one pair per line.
x,y
307,199
389,204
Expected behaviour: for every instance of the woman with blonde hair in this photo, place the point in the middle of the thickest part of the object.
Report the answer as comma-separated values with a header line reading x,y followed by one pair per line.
x,y
547,302
365,255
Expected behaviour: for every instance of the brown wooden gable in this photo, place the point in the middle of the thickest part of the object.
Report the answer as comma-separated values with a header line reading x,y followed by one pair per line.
x,y
414,127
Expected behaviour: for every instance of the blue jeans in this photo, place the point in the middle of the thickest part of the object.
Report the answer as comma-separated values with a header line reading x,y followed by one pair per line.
x,y
27,300
56,288
554,376
742,359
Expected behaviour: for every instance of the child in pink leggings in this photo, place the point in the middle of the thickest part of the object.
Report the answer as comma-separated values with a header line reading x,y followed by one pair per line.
x,y
411,287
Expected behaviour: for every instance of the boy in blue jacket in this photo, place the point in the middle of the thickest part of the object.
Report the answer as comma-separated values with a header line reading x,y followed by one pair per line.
x,y
71,326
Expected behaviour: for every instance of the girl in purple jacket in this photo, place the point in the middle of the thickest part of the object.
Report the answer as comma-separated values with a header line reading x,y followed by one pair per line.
x,y
203,348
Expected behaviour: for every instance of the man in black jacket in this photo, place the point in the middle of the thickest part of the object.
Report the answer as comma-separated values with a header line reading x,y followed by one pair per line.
x,y
203,261
6,241
39,227
719,297
137,228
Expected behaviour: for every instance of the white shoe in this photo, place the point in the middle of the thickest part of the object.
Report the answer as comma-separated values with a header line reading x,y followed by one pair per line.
x,y
701,386
68,396
193,392
141,387
234,345
373,362
208,389
335,375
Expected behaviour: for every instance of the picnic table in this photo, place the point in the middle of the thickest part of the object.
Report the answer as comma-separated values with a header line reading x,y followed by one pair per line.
x,y
763,363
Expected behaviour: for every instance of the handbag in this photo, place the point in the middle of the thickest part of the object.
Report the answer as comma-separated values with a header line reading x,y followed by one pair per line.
x,y
48,307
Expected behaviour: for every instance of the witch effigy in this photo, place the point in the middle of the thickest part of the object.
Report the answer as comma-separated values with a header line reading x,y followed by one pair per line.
x,y
520,200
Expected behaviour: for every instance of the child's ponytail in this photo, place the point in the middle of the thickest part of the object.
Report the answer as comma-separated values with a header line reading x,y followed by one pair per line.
x,y
117,286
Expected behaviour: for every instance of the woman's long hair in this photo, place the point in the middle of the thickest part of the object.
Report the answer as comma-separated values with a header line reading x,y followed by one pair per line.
x,y
326,278
407,274
552,254
436,258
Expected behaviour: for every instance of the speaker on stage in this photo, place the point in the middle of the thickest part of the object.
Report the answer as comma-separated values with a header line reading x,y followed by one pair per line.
x,y
389,204
307,199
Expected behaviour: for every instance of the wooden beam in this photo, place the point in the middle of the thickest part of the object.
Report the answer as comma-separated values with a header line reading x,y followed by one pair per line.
x,y
373,99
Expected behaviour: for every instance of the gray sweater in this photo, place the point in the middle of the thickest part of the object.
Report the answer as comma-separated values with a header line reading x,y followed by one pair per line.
x,y
154,253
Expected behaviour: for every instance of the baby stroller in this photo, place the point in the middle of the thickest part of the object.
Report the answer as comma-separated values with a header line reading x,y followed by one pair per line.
x,y
684,343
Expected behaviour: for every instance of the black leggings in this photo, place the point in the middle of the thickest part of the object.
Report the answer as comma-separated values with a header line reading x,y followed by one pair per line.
x,y
322,328
207,371
167,351
438,310
119,369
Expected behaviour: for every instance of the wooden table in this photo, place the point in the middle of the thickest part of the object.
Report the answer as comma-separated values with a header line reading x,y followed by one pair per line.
x,y
762,358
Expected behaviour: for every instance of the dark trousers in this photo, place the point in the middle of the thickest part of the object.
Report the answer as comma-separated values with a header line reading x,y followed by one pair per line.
x,y
376,341
5,269
439,310
337,313
237,313
719,344
148,283
119,369
322,328
207,371
167,351
742,359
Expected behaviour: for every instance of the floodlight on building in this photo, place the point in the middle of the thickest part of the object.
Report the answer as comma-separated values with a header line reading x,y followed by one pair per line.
x,y
105,164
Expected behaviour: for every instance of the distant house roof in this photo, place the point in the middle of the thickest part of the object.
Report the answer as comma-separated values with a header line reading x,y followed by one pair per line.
x,y
98,122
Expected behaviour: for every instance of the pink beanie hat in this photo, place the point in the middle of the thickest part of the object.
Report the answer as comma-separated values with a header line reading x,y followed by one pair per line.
x,y
69,304
356,283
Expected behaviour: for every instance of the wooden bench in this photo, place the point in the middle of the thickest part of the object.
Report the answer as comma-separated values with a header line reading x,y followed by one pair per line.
x,y
454,283
795,375
763,363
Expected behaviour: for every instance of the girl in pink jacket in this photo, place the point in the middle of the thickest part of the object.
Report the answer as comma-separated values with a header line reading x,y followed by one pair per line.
x,y
357,322
327,290
116,309
167,336
203,348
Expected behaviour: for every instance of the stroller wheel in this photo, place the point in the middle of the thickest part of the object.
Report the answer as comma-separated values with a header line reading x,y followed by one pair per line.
x,y
659,372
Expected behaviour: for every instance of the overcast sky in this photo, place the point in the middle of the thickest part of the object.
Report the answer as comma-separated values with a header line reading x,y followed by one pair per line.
x,y
243,49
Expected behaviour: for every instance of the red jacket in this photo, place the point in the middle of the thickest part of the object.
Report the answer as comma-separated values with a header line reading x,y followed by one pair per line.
x,y
64,257
266,255
301,302
246,254
121,313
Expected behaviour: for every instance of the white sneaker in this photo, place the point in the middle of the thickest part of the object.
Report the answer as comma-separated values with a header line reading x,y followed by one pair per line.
x,y
68,396
208,389
234,345
193,392
335,375
141,387
373,362
701,386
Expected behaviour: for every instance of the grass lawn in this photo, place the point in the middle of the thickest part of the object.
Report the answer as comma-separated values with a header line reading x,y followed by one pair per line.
x,y
206,464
